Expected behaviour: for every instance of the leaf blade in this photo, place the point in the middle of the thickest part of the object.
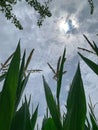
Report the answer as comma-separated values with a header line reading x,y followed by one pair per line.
x,y
76,105
9,91
52,105
90,63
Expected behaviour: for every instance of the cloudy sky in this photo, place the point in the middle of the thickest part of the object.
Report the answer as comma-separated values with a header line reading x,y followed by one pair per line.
x,y
70,20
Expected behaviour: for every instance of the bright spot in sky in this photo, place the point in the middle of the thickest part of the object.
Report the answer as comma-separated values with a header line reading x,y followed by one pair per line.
x,y
67,26
64,26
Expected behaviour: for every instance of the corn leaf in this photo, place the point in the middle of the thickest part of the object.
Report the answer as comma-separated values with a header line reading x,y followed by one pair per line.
x,y
20,80
90,63
49,124
86,128
21,120
52,105
87,125
76,105
93,122
92,45
34,118
8,96
21,89
29,59
96,48
2,77
60,75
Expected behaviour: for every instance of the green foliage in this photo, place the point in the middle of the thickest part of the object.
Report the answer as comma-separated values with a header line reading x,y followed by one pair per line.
x,y
75,117
59,80
49,124
43,10
94,67
76,105
22,118
10,96
6,7
15,76
52,105
90,63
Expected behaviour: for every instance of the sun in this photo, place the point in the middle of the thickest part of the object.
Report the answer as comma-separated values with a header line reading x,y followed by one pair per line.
x,y
67,26
64,27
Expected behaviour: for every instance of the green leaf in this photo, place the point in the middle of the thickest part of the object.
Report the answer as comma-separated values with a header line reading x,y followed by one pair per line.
x,y
2,77
21,89
34,118
52,105
49,124
96,48
87,125
86,128
20,80
21,120
76,105
8,96
92,45
92,116
61,66
93,122
29,59
90,63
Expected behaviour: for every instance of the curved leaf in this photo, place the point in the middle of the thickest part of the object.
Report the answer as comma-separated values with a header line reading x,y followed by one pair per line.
x,y
76,105
52,106
8,95
90,63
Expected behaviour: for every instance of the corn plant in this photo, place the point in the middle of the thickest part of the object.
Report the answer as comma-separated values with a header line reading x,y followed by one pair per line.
x,y
15,76
94,67
10,96
75,117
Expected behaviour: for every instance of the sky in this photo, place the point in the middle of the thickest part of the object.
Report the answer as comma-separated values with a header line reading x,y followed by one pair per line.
x,y
70,20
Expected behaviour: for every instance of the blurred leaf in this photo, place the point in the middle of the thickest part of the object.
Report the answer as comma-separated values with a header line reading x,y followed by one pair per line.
x,y
93,45
2,77
56,73
90,63
87,125
49,125
93,122
6,62
51,68
21,89
20,81
8,96
34,118
91,107
21,120
92,116
76,105
91,6
83,49
29,59
59,81
86,128
52,106
96,48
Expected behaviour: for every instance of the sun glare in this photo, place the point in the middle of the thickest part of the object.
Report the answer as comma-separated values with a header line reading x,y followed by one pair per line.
x,y
64,27
68,25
